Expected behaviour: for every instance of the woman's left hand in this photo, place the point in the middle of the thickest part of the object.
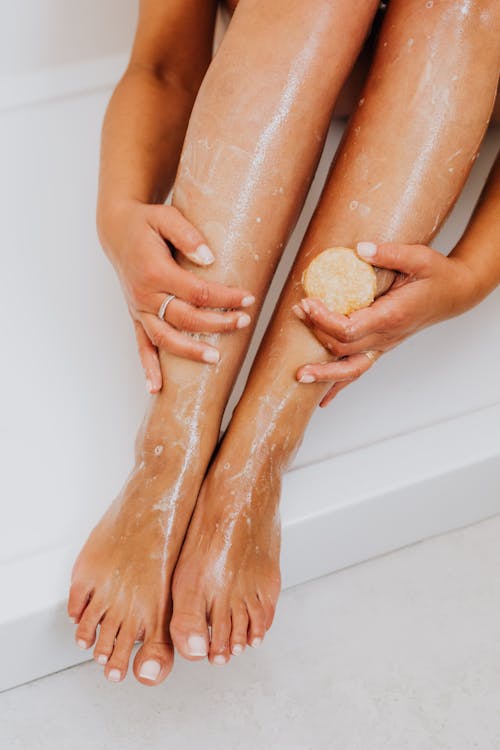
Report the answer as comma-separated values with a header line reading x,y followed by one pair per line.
x,y
430,288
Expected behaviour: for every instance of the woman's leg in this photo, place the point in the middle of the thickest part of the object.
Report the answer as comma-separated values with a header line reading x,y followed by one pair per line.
x,y
253,141
405,158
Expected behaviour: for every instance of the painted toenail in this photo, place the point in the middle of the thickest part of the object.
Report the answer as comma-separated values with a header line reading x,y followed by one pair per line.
x,y
219,659
237,649
114,675
150,670
256,642
81,643
102,659
243,321
196,646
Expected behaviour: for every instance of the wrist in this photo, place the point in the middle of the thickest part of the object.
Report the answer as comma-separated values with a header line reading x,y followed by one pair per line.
x,y
111,218
467,289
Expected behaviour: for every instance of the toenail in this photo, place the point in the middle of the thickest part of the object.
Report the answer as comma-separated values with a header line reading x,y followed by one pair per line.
x,y
237,649
150,670
243,321
196,645
81,643
102,659
114,675
256,642
219,659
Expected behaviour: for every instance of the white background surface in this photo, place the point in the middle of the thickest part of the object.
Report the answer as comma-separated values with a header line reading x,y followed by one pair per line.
x,y
71,389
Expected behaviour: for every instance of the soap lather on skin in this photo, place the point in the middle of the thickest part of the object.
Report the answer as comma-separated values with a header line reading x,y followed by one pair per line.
x,y
344,282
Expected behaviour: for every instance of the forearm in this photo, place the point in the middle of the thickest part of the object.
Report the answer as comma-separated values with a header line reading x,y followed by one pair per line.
x,y
479,247
142,136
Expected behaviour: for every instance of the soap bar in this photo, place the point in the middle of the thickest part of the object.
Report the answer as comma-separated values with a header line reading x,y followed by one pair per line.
x,y
341,280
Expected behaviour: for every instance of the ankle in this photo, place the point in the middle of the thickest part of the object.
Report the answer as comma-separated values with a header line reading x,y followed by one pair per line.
x,y
266,436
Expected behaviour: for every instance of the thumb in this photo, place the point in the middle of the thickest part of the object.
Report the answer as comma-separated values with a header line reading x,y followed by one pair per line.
x,y
413,260
186,238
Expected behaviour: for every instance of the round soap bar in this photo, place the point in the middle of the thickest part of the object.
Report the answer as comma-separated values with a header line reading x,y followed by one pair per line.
x,y
341,280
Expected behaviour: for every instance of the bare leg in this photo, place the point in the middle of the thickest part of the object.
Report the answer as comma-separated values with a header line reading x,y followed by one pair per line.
x,y
253,141
406,156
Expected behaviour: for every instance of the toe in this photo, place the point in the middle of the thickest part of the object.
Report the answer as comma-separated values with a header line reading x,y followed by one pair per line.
x,y
117,665
220,634
86,631
257,622
154,660
269,607
188,627
106,640
78,599
239,629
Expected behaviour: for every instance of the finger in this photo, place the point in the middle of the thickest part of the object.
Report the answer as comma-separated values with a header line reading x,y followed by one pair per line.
x,y
185,317
149,359
163,336
334,390
325,325
202,293
388,315
414,260
332,323
338,349
173,226
342,369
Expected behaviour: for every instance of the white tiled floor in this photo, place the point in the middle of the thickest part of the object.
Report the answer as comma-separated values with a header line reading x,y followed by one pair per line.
x,y
399,653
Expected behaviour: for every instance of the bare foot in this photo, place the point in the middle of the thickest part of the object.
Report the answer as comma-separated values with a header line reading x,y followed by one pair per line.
x,y
121,579
227,580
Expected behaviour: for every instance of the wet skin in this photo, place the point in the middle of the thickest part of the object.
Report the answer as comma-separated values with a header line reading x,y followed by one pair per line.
x,y
242,189
243,192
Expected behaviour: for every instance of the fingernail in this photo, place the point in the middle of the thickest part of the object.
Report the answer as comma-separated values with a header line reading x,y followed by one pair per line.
x,y
149,386
237,649
219,659
114,675
196,646
299,312
307,379
150,670
243,321
247,301
211,356
366,249
256,642
81,644
305,306
203,254
102,659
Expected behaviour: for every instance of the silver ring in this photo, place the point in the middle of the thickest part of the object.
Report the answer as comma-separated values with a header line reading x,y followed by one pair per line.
x,y
371,355
163,307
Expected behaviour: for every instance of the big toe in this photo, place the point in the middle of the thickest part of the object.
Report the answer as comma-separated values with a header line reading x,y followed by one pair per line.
x,y
189,629
153,662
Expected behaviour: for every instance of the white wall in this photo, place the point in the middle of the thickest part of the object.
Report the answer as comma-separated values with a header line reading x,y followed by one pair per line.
x,y
71,389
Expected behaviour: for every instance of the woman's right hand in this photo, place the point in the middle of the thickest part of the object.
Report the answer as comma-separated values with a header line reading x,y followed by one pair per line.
x,y
135,240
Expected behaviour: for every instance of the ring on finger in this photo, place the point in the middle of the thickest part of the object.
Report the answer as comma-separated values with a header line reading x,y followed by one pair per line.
x,y
163,307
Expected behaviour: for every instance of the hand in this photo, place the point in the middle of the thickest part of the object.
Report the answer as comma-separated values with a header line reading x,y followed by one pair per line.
x,y
430,288
136,242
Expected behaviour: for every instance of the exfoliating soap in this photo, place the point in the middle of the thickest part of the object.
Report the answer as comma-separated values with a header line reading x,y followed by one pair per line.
x,y
341,280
